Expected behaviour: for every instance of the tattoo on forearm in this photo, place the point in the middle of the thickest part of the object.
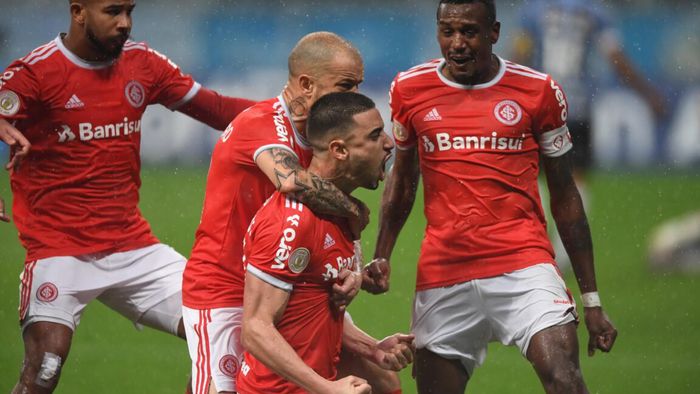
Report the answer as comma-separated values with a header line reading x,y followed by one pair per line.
x,y
318,194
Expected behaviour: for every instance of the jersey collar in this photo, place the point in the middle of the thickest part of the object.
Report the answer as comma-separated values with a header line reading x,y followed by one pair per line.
x,y
78,61
301,140
495,80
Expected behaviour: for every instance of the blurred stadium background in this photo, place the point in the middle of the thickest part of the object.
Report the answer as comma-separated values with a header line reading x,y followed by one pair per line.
x,y
646,173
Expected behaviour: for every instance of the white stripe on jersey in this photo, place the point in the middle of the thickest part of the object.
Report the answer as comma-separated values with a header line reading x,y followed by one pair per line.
x,y
187,97
269,279
422,65
293,204
417,73
526,74
524,68
38,52
134,45
42,57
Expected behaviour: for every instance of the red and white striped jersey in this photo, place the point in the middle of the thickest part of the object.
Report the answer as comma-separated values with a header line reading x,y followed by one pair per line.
x,y
479,149
77,191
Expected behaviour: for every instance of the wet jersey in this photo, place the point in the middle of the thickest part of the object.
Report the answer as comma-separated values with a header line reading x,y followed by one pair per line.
x,y
479,149
291,248
77,191
236,189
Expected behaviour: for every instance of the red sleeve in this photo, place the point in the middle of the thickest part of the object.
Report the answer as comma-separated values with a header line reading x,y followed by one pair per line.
x,y
19,92
171,87
277,248
217,111
404,135
550,123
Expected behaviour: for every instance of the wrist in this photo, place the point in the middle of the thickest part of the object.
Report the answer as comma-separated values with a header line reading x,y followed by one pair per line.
x,y
590,300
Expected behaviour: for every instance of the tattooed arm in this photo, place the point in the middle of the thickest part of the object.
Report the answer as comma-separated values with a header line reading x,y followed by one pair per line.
x,y
572,224
286,173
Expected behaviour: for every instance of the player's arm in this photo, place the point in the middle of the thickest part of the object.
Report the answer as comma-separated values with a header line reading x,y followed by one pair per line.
x,y
214,109
283,169
397,201
263,306
572,224
394,352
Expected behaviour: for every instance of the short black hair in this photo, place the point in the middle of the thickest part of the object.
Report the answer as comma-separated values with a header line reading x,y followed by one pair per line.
x,y
332,115
490,7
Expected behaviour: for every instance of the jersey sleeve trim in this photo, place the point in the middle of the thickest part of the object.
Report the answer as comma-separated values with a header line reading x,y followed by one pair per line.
x,y
556,143
269,279
192,92
270,146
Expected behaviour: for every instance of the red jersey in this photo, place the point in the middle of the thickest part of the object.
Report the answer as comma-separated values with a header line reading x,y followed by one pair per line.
x,y
236,189
291,248
77,191
479,149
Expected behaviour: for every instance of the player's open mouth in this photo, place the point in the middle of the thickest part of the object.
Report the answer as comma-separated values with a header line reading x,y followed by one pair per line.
x,y
461,60
382,168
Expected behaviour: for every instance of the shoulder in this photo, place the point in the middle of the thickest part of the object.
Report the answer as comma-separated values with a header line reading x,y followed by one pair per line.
x,y
417,74
43,56
525,75
282,213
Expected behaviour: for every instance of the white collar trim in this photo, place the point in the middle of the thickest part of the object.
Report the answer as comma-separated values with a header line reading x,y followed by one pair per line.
x,y
495,80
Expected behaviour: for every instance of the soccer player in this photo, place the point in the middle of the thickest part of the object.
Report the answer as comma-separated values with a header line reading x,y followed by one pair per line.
x,y
557,36
79,100
291,331
477,126
263,150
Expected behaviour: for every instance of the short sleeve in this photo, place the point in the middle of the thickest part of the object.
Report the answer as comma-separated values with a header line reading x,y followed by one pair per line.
x,y
404,135
260,128
276,247
19,92
550,123
172,87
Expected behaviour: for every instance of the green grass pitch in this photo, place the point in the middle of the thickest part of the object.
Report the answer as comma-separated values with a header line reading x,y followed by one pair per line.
x,y
657,315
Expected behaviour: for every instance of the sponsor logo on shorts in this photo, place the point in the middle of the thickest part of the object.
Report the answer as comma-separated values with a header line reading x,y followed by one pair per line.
x,y
9,103
135,94
562,302
508,112
299,259
47,292
228,365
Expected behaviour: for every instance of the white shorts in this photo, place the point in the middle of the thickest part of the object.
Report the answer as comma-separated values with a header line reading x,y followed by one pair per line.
x,y
458,322
214,343
144,285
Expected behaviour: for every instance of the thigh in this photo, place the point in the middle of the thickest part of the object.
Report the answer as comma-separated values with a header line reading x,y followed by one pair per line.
x,y
438,375
382,381
57,290
214,344
450,323
142,279
553,353
522,303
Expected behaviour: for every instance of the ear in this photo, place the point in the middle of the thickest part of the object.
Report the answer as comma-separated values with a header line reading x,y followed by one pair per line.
x,y
338,150
495,32
306,83
77,12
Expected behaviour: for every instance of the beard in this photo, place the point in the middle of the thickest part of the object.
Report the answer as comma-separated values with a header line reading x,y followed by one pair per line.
x,y
104,48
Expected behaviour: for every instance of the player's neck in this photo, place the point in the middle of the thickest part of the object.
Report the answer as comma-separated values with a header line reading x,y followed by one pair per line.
x,y
330,171
298,109
78,44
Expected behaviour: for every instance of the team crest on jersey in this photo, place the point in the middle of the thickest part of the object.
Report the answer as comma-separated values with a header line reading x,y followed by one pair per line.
x,y
228,365
135,94
299,259
9,103
400,133
47,292
508,112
